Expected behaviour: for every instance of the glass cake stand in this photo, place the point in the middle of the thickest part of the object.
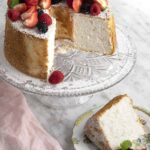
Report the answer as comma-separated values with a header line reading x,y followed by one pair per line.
x,y
85,73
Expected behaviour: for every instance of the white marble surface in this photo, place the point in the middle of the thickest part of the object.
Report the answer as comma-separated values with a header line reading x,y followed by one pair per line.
x,y
135,15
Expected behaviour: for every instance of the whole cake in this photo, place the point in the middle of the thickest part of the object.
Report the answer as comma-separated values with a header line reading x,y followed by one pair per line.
x,y
116,122
32,26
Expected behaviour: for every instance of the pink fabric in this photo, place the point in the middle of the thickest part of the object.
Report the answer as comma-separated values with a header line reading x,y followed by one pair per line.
x,y
19,129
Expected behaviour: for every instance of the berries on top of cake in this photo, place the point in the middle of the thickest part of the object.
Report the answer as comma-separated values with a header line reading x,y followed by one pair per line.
x,y
30,14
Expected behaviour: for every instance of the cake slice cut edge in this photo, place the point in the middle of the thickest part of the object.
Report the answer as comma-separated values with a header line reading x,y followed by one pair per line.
x,y
116,122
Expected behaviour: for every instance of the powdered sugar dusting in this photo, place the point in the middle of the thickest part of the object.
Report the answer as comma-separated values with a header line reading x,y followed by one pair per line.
x,y
34,31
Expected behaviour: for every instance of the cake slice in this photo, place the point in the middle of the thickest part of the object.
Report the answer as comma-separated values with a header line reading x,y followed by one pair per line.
x,y
28,51
116,122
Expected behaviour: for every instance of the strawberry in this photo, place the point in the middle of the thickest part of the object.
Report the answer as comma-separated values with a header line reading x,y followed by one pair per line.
x,y
31,2
45,18
32,21
95,9
28,13
13,15
103,3
45,4
76,4
69,2
56,77
22,7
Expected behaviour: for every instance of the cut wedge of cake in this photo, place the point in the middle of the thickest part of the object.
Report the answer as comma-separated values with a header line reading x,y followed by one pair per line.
x,y
28,51
32,51
116,122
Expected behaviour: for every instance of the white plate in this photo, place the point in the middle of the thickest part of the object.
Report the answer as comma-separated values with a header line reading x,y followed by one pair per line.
x,y
80,142
85,73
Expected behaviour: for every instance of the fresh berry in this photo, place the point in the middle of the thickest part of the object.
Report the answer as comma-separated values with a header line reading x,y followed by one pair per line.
x,y
85,8
13,15
56,77
22,7
32,21
28,13
125,145
42,27
95,9
45,18
45,4
76,4
69,2
103,3
40,12
12,3
8,3
56,1
31,2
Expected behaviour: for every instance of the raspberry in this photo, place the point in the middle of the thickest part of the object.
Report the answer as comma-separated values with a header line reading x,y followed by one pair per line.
x,y
69,2
45,18
42,26
56,77
95,9
13,15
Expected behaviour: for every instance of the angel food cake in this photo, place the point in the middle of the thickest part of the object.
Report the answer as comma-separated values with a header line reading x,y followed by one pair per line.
x,y
114,123
32,26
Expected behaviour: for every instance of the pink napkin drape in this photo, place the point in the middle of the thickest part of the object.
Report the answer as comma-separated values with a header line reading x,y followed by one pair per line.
x,y
19,129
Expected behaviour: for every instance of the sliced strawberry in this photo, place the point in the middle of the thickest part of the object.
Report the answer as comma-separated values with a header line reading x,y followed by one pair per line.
x,y
22,7
76,4
13,15
45,4
32,21
28,13
31,2
103,3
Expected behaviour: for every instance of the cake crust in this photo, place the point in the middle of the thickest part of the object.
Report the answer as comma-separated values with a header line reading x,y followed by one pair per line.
x,y
18,54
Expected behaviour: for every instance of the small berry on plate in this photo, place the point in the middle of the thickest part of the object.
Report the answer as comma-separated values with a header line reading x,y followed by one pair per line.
x,y
32,21
85,8
95,9
13,15
56,1
31,2
45,18
12,3
22,7
125,145
40,12
45,4
76,4
28,13
103,3
69,2
56,77
42,27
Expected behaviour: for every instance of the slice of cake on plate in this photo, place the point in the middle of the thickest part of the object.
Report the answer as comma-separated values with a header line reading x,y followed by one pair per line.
x,y
116,122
